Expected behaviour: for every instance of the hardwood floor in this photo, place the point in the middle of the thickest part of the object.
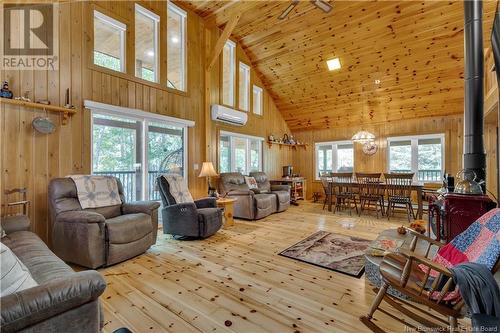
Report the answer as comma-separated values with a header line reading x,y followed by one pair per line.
x,y
236,282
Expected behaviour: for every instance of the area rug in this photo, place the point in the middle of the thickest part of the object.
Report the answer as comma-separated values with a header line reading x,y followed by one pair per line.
x,y
339,253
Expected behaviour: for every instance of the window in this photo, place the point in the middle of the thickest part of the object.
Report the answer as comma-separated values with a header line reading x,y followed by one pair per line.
x,y
239,153
176,47
422,155
244,87
258,100
109,42
228,64
146,44
136,148
335,156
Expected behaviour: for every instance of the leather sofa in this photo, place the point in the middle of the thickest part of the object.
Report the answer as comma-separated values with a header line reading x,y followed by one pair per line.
x,y
250,204
282,192
63,300
101,236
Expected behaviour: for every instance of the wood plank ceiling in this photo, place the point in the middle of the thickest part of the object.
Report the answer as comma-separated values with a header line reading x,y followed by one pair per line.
x,y
400,59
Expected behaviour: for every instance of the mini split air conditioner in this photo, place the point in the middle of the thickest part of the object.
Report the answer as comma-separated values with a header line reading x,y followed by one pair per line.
x,y
229,116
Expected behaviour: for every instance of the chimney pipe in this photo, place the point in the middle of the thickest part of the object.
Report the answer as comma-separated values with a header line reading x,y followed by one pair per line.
x,y
474,154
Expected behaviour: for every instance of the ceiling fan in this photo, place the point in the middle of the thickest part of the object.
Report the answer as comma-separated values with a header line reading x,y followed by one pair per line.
x,y
321,4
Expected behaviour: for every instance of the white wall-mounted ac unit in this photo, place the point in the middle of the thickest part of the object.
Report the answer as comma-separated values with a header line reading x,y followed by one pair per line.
x,y
227,115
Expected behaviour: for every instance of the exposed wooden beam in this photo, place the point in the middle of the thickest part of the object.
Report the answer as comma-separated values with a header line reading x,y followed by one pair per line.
x,y
228,29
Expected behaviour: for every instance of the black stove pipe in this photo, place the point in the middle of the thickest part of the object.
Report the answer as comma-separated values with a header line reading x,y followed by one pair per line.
x,y
474,154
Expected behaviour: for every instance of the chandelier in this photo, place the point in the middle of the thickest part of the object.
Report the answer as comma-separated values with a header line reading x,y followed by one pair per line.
x,y
363,137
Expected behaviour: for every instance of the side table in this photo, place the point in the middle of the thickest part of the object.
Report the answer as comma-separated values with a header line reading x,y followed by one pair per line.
x,y
227,204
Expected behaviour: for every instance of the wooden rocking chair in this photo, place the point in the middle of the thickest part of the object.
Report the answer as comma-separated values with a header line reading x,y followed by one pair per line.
x,y
401,272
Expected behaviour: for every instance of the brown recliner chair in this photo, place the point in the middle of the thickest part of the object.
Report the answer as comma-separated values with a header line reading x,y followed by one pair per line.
x,y
282,192
249,205
101,236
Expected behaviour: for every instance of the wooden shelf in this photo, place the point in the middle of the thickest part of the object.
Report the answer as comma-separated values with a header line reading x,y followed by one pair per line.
x,y
52,108
294,146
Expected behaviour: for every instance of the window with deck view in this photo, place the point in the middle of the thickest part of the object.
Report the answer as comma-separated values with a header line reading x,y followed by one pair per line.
x,y
336,156
239,153
228,73
109,42
176,47
137,150
422,155
146,44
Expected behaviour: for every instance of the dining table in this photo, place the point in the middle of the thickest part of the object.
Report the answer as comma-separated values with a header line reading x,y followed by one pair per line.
x,y
415,186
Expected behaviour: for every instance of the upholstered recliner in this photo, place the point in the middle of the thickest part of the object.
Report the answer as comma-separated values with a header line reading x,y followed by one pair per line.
x,y
104,236
249,205
198,219
282,192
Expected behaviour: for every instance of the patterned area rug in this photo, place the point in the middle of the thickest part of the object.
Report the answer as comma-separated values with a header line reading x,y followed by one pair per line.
x,y
340,253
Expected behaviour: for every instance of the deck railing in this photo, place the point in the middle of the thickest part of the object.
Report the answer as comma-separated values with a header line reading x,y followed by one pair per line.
x,y
128,180
429,175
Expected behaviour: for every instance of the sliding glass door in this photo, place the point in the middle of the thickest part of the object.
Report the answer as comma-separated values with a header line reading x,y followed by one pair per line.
x,y
137,150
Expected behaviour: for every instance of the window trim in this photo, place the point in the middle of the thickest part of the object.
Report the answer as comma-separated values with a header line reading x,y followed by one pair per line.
x,y
232,74
145,118
261,102
414,151
122,29
247,69
156,18
334,145
247,149
183,42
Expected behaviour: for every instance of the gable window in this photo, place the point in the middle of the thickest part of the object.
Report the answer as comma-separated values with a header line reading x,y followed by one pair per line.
x,y
258,100
244,87
228,72
335,156
146,44
176,47
421,154
136,147
239,153
109,42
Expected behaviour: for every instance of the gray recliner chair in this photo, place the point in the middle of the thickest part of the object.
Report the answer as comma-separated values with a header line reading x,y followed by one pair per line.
x,y
198,219
250,205
100,236
282,192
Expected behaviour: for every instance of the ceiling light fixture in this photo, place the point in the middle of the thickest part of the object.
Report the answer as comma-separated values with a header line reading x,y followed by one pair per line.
x,y
363,137
377,81
333,64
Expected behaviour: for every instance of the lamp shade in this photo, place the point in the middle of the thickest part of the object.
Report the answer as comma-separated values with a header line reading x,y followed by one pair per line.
x,y
207,170
363,137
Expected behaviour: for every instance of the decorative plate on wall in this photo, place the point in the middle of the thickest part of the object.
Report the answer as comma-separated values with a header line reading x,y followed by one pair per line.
x,y
43,125
370,148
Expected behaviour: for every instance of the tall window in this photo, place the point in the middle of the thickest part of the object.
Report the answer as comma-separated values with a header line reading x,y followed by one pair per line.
x,y
244,87
239,153
176,47
146,44
422,155
337,156
228,73
137,149
109,42
258,100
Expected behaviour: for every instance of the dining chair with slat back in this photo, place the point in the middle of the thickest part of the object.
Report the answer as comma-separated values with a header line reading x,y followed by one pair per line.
x,y
15,219
343,191
398,187
371,190
327,188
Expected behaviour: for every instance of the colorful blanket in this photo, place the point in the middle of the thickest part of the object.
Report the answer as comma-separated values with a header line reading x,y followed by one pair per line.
x,y
96,191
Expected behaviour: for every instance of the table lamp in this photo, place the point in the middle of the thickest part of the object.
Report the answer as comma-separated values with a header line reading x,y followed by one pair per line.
x,y
207,170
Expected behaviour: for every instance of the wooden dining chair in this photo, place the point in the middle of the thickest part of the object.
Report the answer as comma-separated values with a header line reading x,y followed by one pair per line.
x,y
371,190
328,190
343,191
398,187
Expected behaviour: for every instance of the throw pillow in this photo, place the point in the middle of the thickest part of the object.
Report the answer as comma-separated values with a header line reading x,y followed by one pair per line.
x,y
178,188
251,183
15,276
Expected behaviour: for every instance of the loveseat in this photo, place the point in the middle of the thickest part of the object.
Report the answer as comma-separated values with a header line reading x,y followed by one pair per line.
x,y
62,300
251,204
